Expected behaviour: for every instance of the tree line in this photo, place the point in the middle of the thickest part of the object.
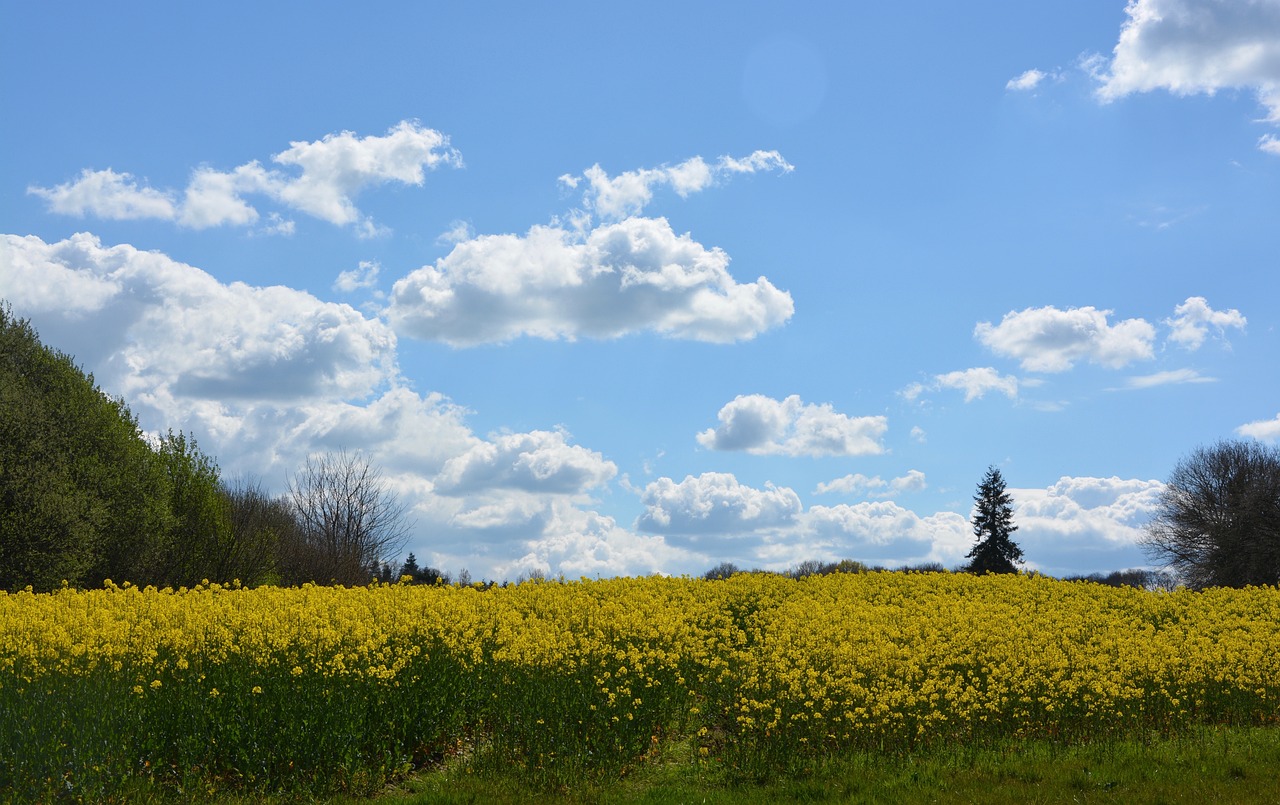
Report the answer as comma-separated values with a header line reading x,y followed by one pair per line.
x,y
86,496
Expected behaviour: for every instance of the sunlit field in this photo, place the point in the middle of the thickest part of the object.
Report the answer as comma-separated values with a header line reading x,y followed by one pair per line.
x,y
223,691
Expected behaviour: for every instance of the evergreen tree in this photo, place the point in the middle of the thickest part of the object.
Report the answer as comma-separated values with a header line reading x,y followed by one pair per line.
x,y
994,551
410,567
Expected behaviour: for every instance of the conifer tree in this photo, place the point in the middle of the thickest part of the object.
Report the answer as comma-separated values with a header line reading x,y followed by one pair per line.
x,y
994,551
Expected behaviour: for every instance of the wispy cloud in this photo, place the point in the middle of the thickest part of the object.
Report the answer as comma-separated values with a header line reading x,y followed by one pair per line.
x,y
1026,81
628,193
975,383
1170,378
874,486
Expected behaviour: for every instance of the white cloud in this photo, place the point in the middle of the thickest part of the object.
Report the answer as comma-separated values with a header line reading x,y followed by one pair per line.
x,y
1264,430
363,276
763,426
1026,81
918,435
458,232
586,543
715,503
875,486
1190,46
330,173
875,533
975,383
632,276
163,325
1079,525
1047,339
539,461
1193,318
213,198
337,167
107,194
1173,377
626,194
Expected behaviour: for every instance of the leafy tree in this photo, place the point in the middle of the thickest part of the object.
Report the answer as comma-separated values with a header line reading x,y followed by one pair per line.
x,y
994,552
200,543
348,520
82,495
1217,522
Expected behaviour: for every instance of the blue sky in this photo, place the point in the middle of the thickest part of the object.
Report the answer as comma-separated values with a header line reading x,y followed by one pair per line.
x,y
631,290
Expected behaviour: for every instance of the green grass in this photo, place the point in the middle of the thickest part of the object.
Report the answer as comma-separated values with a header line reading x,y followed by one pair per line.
x,y
1207,766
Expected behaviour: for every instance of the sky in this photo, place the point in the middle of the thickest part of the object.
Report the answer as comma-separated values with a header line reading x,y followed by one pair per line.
x,y
618,290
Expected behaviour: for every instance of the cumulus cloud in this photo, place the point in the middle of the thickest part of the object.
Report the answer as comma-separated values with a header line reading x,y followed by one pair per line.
x,y
874,486
881,532
539,461
1264,430
161,325
617,197
585,543
1078,525
714,503
107,194
1028,80
764,426
768,527
1189,47
321,178
632,276
1193,318
1048,339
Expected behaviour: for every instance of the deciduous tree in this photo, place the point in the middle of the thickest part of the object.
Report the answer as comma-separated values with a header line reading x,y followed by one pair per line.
x,y
1218,519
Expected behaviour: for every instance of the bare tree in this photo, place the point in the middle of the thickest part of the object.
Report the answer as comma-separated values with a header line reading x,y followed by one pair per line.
x,y
1218,519
348,518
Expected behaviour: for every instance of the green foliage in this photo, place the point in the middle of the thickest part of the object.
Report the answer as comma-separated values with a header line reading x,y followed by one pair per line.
x,y
85,497
994,551
82,496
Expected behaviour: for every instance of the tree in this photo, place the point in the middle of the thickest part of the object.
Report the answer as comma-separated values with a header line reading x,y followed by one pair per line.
x,y
200,543
410,567
348,518
994,551
82,494
1217,522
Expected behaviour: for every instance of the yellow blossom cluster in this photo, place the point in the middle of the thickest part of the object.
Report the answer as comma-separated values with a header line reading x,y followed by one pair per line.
x,y
350,686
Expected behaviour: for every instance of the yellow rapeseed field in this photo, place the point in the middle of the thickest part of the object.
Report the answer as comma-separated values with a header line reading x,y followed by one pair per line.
x,y
322,688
